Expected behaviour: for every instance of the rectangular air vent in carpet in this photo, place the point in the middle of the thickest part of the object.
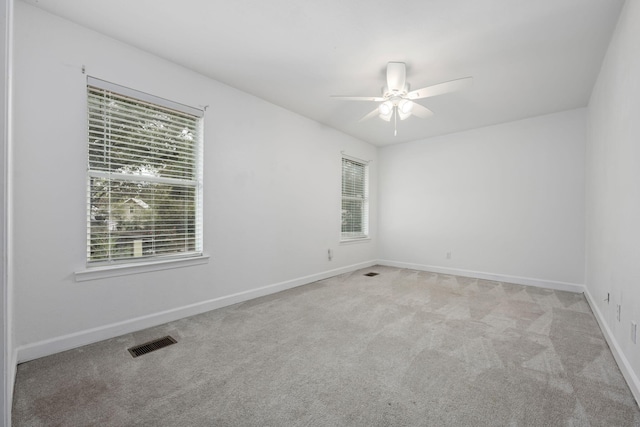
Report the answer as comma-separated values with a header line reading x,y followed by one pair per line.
x,y
150,346
371,274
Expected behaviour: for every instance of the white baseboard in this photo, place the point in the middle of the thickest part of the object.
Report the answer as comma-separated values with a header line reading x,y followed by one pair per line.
x,y
78,339
541,283
623,363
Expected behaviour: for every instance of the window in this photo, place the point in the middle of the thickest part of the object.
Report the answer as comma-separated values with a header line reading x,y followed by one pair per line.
x,y
355,199
144,176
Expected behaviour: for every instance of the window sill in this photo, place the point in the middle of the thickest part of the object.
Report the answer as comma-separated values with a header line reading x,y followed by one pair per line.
x,y
103,272
355,240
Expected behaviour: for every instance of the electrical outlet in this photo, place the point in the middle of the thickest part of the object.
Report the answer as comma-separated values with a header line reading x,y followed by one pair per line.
x,y
448,255
608,298
634,332
618,308
330,254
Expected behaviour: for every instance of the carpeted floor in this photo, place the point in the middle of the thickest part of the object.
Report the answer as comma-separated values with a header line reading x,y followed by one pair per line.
x,y
404,348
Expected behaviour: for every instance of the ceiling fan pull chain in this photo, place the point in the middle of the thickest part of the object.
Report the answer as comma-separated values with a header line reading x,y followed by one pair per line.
x,y
395,121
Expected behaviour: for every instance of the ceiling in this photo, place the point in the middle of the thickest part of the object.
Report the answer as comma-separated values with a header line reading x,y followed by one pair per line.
x,y
527,57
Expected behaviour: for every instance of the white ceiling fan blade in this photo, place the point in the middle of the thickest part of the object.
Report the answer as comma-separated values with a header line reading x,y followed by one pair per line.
x,y
396,76
440,88
370,115
421,111
358,98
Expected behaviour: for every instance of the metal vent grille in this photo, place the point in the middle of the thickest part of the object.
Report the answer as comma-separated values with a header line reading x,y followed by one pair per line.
x,y
150,346
371,274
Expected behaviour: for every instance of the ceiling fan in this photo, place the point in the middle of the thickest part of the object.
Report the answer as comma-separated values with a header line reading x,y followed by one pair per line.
x,y
398,102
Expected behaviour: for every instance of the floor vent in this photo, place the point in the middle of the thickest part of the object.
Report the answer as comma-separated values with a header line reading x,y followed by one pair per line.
x,y
371,274
150,346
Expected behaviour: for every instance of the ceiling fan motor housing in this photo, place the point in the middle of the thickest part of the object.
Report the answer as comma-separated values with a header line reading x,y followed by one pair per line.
x,y
396,76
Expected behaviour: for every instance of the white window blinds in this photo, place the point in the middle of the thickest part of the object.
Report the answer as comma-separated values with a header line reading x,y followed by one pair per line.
x,y
144,176
355,199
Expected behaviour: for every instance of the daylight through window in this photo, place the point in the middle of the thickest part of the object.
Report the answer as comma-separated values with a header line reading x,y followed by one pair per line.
x,y
144,195
355,200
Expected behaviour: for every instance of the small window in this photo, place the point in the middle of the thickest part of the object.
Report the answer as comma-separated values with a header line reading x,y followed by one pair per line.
x,y
355,199
144,176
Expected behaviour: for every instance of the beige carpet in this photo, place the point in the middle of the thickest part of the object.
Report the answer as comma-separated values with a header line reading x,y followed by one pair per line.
x,y
404,348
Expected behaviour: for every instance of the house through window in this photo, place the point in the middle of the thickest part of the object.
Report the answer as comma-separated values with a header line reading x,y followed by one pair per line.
x,y
144,176
355,199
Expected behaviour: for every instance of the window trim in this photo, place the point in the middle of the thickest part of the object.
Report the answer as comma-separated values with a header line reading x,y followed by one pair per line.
x,y
115,270
125,266
365,236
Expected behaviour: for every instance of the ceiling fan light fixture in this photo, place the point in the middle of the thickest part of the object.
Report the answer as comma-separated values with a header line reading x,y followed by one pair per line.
x,y
405,106
403,115
386,118
385,108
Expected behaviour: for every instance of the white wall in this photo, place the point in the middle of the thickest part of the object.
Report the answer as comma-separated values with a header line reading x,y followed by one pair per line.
x,y
272,193
7,360
507,201
613,193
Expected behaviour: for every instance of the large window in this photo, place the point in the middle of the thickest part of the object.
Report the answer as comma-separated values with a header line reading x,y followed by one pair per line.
x,y
355,199
144,178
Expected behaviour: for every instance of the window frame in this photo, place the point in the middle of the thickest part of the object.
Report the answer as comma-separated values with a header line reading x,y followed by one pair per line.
x,y
350,236
134,264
